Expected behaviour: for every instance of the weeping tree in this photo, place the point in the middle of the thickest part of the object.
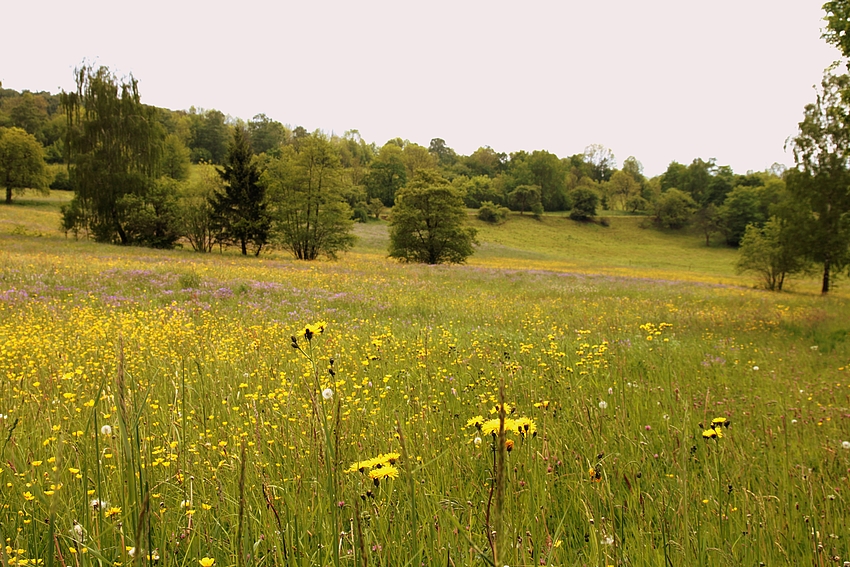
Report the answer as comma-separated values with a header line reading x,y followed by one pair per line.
x,y
113,148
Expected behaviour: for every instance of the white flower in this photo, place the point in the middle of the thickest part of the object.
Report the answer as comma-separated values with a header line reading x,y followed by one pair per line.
x,y
98,504
477,441
607,540
793,421
603,404
131,552
77,533
327,393
610,391
106,430
755,368
845,444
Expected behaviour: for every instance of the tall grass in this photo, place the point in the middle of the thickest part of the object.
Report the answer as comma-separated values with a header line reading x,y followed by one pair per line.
x,y
153,411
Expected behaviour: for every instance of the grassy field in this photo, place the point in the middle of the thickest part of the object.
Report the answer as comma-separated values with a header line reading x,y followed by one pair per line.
x,y
154,408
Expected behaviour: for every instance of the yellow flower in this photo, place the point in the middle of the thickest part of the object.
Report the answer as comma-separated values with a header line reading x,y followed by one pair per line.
x,y
525,427
386,471
28,496
206,561
310,331
113,511
709,434
719,422
476,422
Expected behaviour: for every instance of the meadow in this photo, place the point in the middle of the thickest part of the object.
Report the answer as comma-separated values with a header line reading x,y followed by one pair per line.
x,y
570,397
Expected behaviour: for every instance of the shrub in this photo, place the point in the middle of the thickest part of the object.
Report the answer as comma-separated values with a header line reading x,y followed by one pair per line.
x,y
492,213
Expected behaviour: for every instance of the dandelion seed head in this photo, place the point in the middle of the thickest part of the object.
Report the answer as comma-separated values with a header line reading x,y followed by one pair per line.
x,y
327,393
845,445
603,405
106,430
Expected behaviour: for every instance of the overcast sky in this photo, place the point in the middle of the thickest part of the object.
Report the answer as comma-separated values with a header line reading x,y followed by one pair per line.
x,y
661,80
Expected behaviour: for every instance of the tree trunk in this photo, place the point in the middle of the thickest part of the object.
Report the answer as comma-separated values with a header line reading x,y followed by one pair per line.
x,y
244,247
825,287
8,195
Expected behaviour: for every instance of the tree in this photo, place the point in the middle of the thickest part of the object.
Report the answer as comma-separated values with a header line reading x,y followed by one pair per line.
x,y
387,174
526,198
741,209
266,134
674,208
195,208
708,220
492,213
311,217
113,146
21,162
445,155
209,135
601,161
772,252
175,158
622,187
428,222
821,180
240,211
585,202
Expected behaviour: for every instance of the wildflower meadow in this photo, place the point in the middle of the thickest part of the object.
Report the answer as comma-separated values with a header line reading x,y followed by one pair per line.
x,y
171,408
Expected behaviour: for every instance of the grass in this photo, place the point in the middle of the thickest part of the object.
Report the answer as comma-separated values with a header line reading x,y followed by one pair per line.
x,y
153,410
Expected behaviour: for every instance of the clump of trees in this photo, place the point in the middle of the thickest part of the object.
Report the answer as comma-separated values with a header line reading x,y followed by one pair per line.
x,y
22,163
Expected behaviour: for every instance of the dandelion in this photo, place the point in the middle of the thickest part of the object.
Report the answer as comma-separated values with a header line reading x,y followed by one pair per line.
x,y
845,445
710,434
477,441
77,533
206,561
755,368
607,540
386,471
524,426
476,422
327,393
106,430
310,331
113,512
509,445
98,504
603,405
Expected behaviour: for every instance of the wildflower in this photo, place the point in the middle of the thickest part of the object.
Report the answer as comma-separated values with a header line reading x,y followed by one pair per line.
x,y
98,504
491,427
310,331
28,496
709,434
509,445
477,441
476,421
113,512
524,426
206,561
106,430
755,368
603,405
386,471
544,404
607,540
327,393
77,533
596,474
845,444
719,422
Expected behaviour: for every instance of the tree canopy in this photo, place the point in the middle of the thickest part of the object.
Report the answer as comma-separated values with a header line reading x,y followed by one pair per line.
x,y
21,162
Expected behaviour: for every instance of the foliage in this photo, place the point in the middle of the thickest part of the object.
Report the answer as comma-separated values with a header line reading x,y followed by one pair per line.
x,y
310,215
622,189
526,198
601,162
478,189
428,223
387,174
153,219
175,158
585,202
209,136
492,213
195,207
772,252
821,181
114,147
266,135
239,212
674,209
741,209
21,162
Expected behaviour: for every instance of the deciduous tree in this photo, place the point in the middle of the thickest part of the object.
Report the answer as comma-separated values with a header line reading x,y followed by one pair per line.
x,y
21,162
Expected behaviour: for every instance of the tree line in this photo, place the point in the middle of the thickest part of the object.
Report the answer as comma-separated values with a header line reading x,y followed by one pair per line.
x,y
260,182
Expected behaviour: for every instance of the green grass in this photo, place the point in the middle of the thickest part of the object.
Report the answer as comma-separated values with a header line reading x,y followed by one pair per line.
x,y
222,446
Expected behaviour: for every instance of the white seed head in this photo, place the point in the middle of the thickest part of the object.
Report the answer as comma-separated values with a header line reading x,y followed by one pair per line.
x,y
327,393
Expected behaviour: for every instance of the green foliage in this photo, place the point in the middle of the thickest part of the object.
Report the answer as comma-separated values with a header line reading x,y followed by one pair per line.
x,y
240,211
526,198
21,162
821,182
773,252
311,217
195,207
601,162
209,136
478,189
266,135
428,223
674,209
585,202
175,158
114,146
153,219
387,174
741,209
445,155
837,30
492,213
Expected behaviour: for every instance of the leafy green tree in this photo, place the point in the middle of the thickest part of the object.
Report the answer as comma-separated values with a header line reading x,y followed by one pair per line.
x,y
821,181
674,209
621,188
837,30
709,221
446,156
311,216
485,161
21,162
417,157
585,202
210,136
773,252
195,207
428,223
175,158
114,148
29,112
266,134
478,189
525,198
240,210
741,209
152,219
387,174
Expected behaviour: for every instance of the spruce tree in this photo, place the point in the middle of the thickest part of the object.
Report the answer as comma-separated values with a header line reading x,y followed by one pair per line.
x,y
240,211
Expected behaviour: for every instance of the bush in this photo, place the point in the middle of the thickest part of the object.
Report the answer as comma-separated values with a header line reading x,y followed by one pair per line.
x,y
585,202
492,213
674,209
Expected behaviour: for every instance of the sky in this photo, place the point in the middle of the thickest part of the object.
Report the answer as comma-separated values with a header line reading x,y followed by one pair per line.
x,y
661,80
